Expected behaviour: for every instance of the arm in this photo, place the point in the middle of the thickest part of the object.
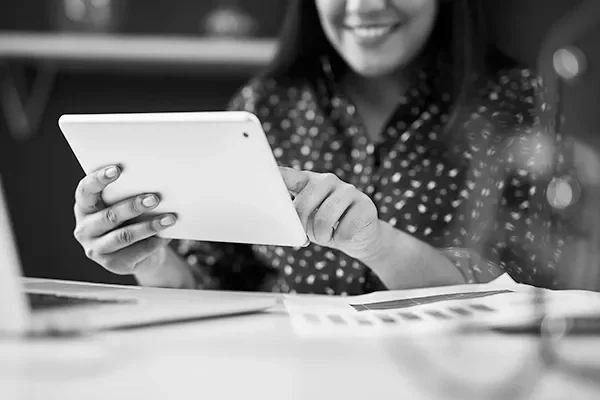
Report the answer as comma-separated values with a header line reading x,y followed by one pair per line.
x,y
500,238
404,262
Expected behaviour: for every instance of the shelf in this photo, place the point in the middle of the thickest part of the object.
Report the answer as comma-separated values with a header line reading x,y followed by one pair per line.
x,y
71,48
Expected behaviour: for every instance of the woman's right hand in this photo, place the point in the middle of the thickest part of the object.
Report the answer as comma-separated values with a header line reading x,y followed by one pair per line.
x,y
104,232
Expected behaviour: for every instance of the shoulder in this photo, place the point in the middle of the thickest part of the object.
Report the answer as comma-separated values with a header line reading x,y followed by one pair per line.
x,y
501,110
507,97
499,128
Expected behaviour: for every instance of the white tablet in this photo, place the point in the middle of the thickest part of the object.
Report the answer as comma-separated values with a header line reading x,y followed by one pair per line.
x,y
215,170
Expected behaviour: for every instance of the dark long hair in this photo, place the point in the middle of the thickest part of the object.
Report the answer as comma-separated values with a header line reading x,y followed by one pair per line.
x,y
459,32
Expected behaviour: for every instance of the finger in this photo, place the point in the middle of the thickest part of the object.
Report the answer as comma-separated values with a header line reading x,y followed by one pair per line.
x,y
330,213
128,235
127,260
111,218
310,199
354,223
88,197
295,180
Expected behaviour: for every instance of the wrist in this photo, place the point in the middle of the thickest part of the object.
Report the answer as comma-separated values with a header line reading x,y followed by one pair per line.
x,y
168,270
402,261
383,241
152,266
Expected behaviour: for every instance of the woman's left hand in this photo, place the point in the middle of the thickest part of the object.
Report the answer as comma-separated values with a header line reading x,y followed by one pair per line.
x,y
334,213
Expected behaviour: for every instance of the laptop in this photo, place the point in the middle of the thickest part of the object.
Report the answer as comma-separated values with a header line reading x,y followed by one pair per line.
x,y
34,307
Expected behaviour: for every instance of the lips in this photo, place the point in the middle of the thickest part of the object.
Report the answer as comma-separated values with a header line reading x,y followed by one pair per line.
x,y
372,34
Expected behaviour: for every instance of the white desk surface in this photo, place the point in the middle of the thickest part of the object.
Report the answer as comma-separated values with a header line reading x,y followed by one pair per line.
x,y
258,356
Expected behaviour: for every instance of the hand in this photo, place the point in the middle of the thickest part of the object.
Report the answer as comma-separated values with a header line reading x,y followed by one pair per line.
x,y
121,249
334,213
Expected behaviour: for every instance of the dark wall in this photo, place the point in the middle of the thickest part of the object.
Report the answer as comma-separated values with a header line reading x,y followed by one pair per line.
x,y
519,27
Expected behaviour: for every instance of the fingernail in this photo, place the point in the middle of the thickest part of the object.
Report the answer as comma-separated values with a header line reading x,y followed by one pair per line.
x,y
167,220
149,201
111,172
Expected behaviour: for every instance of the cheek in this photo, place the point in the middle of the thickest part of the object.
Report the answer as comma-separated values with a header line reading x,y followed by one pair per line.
x,y
419,29
413,6
331,13
404,46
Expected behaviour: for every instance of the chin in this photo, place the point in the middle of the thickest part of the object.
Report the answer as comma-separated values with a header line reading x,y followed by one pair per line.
x,y
375,69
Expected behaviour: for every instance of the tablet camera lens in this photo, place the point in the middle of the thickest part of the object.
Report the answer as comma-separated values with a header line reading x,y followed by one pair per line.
x,y
246,135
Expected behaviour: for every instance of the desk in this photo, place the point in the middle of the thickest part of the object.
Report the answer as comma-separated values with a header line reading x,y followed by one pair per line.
x,y
254,356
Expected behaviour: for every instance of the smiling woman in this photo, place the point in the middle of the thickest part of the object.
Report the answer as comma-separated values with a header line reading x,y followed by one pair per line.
x,y
375,38
396,119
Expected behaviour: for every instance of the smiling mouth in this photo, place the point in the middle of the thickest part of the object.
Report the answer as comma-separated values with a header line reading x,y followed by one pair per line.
x,y
372,33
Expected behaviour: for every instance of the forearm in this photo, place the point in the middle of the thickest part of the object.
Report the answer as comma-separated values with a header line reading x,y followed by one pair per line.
x,y
171,272
402,262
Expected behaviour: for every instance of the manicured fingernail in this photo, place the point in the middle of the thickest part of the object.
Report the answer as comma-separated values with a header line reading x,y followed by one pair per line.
x,y
167,220
111,172
150,201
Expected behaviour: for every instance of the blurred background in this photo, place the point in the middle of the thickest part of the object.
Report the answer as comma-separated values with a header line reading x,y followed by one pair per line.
x,y
96,56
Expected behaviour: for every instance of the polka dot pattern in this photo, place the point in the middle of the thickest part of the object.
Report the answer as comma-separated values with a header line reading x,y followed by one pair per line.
x,y
471,194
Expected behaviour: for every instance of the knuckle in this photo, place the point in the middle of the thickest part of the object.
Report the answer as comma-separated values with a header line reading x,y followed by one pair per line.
x,y
348,188
331,206
97,206
98,177
90,253
364,199
125,236
110,217
330,178
79,233
310,187
155,225
81,189
135,205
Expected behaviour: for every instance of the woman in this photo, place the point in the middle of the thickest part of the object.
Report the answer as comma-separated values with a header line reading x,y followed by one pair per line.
x,y
397,126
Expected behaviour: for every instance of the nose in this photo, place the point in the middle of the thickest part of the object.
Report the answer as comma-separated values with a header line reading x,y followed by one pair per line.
x,y
365,6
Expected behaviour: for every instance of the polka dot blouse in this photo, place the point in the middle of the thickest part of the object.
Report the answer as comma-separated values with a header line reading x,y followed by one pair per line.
x,y
473,195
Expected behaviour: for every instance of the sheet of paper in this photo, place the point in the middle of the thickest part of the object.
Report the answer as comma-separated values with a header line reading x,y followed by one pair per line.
x,y
432,310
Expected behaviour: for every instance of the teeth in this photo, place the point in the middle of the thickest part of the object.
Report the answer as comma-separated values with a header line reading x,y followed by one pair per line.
x,y
370,33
